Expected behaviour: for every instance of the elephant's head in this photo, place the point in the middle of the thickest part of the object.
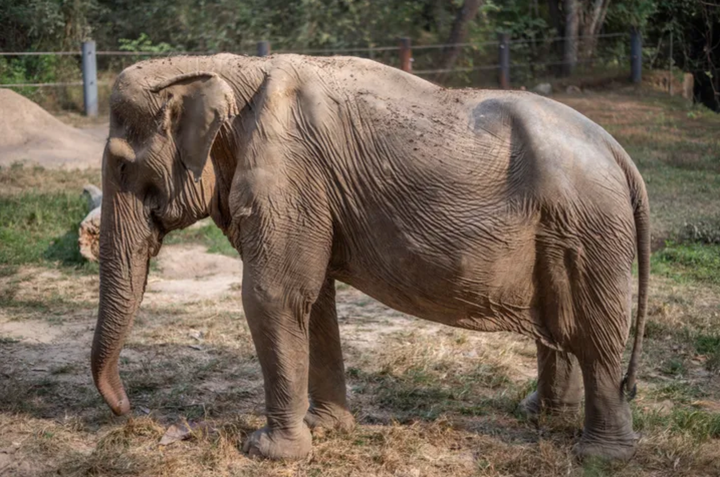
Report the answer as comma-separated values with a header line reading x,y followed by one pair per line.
x,y
156,178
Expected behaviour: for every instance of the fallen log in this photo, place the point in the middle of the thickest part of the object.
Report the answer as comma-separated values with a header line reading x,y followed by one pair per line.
x,y
89,232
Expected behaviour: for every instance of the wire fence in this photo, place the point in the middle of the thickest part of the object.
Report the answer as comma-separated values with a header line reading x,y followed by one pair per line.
x,y
505,62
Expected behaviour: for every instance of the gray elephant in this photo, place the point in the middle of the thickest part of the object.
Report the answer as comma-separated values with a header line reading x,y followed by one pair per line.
x,y
483,210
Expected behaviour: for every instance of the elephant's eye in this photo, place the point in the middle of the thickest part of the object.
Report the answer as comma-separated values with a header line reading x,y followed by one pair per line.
x,y
152,198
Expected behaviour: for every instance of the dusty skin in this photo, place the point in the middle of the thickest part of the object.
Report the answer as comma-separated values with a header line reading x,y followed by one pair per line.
x,y
484,210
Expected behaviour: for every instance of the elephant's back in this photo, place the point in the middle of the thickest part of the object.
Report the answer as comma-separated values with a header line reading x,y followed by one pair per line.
x,y
559,157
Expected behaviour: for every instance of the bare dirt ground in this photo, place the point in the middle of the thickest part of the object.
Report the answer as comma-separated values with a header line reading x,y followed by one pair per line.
x,y
429,400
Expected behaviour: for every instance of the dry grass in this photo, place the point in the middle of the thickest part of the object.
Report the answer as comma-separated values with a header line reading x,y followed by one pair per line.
x,y
18,178
429,400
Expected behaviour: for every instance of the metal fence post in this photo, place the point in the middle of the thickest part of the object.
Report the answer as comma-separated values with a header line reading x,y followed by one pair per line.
x,y
263,48
635,56
89,72
405,55
504,53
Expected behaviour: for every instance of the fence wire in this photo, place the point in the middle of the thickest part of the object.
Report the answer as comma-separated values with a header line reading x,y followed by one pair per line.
x,y
476,63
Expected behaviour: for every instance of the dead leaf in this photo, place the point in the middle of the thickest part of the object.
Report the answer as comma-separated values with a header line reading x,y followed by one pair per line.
x,y
712,406
183,430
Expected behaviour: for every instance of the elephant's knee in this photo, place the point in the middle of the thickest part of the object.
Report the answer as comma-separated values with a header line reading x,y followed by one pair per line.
x,y
279,298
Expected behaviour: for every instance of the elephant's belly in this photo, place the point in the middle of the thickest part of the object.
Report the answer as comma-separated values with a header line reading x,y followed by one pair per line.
x,y
472,289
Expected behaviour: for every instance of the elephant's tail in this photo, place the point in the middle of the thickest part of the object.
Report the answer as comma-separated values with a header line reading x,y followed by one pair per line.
x,y
641,212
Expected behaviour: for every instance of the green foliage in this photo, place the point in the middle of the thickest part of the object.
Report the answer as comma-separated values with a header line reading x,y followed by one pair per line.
x,y
297,25
228,25
144,44
517,18
635,13
29,69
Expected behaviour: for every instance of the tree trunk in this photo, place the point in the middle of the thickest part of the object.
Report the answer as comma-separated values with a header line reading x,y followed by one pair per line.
x,y
571,9
458,33
590,26
557,46
556,17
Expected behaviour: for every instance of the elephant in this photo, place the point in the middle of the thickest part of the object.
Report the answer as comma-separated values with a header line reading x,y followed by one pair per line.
x,y
486,210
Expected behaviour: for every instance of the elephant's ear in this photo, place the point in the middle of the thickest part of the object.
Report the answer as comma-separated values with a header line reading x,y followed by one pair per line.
x,y
195,106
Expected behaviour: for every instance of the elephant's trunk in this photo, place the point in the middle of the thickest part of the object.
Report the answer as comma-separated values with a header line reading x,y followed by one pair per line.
x,y
127,241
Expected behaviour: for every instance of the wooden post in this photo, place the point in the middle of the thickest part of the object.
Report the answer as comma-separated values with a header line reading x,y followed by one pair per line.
x,y
263,48
89,72
504,57
405,55
635,56
670,85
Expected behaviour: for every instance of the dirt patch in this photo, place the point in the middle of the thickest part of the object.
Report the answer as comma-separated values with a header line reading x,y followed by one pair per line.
x,y
30,134
31,331
187,273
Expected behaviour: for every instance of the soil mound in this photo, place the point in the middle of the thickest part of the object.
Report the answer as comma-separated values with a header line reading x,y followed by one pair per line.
x,y
30,134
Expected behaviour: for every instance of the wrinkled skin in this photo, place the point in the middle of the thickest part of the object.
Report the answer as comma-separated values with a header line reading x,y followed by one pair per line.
x,y
484,210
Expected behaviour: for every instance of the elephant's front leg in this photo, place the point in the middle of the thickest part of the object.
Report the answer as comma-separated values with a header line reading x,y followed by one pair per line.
x,y
278,318
328,404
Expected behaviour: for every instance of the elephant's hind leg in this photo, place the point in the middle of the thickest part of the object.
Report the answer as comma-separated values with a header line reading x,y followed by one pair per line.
x,y
586,302
608,428
328,404
603,305
559,388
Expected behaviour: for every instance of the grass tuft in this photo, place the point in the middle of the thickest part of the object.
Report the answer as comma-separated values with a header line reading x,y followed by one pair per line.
x,y
688,262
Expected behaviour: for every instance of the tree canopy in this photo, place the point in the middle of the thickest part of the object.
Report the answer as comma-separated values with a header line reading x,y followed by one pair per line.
x,y
235,26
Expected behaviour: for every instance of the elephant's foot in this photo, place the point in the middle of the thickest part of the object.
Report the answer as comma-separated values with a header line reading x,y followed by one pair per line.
x,y
532,407
279,445
610,449
330,418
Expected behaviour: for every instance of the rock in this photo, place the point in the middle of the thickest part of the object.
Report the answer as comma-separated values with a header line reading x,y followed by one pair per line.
x,y
572,89
544,89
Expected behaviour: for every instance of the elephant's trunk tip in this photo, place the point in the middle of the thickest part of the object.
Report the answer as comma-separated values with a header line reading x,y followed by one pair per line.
x,y
112,391
116,399
121,407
